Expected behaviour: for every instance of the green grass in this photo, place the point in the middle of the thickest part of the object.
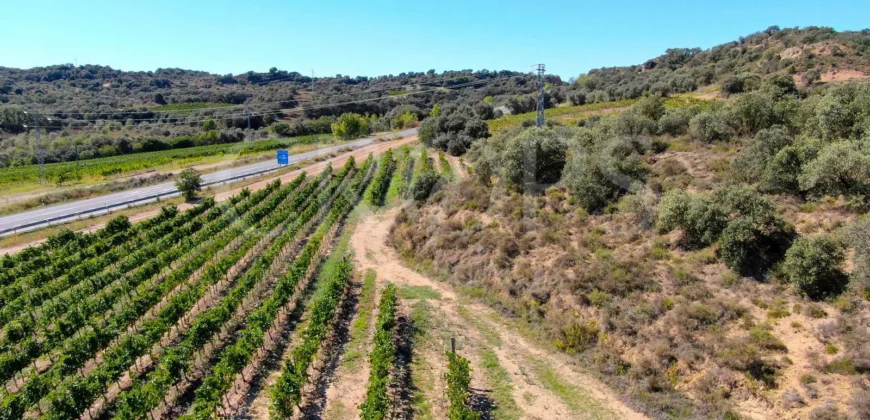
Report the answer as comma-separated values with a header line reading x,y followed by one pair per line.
x,y
502,388
573,113
576,399
337,411
446,168
685,101
418,292
489,334
421,315
359,329
497,376
107,167
565,112
188,107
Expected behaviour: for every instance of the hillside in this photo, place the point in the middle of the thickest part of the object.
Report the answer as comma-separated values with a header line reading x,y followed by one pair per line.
x,y
92,112
705,258
97,111
683,239
808,55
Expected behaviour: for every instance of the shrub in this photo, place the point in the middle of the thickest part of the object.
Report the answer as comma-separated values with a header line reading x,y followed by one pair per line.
x,y
710,126
859,239
750,113
840,168
533,158
484,110
813,267
281,129
456,144
650,106
733,85
765,339
405,120
751,246
842,366
578,337
633,124
460,121
577,98
700,219
758,151
672,167
675,122
834,117
350,125
425,185
599,176
782,172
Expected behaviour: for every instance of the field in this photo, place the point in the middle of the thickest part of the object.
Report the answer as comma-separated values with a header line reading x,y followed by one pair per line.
x,y
572,114
166,301
16,178
258,307
188,107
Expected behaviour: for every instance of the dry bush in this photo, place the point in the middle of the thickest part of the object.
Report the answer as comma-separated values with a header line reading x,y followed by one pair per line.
x,y
827,411
792,399
671,167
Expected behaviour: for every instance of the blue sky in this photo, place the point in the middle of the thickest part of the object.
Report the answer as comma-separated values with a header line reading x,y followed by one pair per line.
x,y
388,37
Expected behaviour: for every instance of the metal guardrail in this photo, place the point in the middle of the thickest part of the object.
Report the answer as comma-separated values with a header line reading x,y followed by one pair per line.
x,y
105,209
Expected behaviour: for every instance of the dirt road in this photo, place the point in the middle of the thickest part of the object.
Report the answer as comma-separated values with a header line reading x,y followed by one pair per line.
x,y
511,378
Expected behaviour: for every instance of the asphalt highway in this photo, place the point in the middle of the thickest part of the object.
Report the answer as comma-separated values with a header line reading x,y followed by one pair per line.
x,y
35,219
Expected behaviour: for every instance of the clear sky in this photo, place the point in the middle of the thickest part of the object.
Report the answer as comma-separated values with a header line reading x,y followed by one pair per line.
x,y
388,37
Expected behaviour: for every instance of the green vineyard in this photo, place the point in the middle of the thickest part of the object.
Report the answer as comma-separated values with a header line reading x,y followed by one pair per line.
x,y
173,317
123,164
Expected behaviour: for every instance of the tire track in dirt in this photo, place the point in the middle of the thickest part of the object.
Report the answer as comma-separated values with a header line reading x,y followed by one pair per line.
x,y
348,388
369,244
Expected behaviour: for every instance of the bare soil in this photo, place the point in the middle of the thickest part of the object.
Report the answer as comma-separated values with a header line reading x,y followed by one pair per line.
x,y
534,398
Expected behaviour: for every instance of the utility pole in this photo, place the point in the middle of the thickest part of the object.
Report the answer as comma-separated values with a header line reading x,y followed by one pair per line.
x,y
539,122
40,153
313,80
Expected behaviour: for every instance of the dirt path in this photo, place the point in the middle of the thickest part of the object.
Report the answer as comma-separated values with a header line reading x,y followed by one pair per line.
x,y
530,381
358,154
348,388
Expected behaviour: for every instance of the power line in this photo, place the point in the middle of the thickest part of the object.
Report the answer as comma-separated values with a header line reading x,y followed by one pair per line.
x,y
299,109
131,111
